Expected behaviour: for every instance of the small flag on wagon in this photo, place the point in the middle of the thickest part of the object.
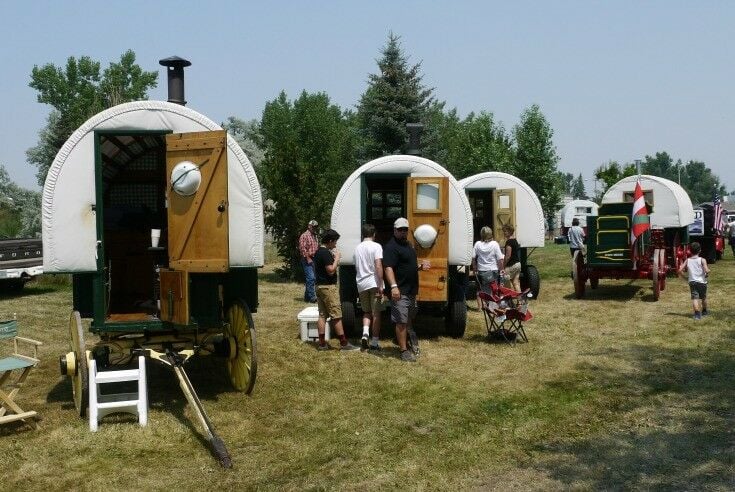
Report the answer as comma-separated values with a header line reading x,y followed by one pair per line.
x,y
640,221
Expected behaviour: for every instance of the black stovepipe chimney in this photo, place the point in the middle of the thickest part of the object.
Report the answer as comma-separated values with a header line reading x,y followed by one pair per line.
x,y
175,68
414,138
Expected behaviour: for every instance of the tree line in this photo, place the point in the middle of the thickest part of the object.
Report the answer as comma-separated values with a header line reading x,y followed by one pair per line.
x,y
304,148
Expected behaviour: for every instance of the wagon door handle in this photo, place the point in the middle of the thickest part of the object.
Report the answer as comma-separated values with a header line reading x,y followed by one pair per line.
x,y
221,207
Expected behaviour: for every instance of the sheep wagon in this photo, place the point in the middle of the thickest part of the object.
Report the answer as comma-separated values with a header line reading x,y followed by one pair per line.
x,y
499,198
576,209
127,174
440,228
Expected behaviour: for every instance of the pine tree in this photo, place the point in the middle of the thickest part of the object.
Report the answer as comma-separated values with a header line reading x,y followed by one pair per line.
x,y
394,97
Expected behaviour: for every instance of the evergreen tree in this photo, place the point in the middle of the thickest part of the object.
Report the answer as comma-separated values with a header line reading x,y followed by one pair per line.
x,y
78,92
577,188
309,152
536,158
394,96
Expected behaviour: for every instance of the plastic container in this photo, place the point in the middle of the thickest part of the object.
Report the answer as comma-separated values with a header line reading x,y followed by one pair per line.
x,y
308,330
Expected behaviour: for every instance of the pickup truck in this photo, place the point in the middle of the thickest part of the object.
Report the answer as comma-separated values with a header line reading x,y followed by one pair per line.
x,y
20,261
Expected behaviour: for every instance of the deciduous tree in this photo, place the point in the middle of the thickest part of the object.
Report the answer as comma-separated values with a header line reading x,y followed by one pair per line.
x,y
309,152
77,92
535,158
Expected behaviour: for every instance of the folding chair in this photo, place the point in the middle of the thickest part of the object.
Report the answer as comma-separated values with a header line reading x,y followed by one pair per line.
x,y
10,411
505,310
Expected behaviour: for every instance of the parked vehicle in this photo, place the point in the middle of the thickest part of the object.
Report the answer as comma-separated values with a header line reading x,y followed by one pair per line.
x,y
21,260
431,199
499,198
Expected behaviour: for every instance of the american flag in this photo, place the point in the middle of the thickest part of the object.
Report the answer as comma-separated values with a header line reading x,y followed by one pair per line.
x,y
718,216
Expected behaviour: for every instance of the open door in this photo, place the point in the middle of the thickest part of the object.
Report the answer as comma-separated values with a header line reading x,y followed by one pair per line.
x,y
198,234
505,210
428,204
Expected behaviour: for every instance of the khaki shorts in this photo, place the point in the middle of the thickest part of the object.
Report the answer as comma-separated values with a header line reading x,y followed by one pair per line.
x,y
513,271
327,300
370,301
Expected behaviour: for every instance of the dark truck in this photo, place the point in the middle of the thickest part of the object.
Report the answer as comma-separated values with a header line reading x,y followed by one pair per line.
x,y
20,261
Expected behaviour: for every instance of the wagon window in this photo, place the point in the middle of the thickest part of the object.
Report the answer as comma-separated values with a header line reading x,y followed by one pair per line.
x,y
647,196
385,205
427,197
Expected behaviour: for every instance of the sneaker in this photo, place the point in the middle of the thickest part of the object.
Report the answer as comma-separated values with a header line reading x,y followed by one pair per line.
x,y
697,316
348,346
375,347
364,342
705,312
407,356
323,347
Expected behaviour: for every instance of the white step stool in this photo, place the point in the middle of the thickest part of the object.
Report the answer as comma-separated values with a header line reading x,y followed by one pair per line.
x,y
308,318
101,405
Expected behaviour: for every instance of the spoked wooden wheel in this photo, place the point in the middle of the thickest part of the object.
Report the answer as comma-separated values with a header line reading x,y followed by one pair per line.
x,y
655,274
242,363
578,274
77,368
662,268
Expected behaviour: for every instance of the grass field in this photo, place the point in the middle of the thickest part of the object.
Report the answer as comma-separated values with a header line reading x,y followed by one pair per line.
x,y
612,392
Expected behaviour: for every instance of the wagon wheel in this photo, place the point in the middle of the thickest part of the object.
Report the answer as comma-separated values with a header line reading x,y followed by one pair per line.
x,y
578,274
655,274
242,363
662,269
77,368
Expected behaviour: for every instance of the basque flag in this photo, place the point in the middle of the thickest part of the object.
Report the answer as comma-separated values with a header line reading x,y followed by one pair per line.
x,y
640,221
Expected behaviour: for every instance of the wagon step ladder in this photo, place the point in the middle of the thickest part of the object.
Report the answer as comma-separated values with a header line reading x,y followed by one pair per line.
x,y
101,405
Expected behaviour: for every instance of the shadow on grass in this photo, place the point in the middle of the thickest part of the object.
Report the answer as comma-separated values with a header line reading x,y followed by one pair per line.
x,y
273,278
681,436
27,292
607,292
207,374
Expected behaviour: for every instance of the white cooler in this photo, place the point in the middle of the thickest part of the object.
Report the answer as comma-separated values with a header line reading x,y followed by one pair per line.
x,y
308,318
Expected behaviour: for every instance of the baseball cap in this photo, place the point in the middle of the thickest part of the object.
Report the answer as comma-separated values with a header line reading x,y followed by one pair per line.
x,y
313,222
400,222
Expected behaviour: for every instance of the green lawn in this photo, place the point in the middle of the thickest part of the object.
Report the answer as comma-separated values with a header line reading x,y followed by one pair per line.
x,y
614,391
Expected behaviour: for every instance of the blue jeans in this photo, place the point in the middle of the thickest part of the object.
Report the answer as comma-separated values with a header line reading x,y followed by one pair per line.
x,y
484,279
310,290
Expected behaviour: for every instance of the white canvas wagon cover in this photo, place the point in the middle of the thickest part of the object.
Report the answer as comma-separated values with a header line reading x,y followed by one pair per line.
x,y
347,213
530,225
68,206
672,206
579,209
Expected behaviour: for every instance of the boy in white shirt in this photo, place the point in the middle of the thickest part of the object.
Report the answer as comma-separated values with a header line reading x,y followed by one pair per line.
x,y
698,271
369,276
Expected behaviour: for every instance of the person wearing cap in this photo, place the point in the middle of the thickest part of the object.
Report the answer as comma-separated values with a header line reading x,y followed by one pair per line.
x,y
308,245
326,262
402,275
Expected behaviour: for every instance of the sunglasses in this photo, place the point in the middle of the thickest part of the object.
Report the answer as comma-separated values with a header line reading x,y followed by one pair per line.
x,y
402,228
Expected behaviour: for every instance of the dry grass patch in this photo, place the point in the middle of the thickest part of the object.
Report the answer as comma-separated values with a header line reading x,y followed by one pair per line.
x,y
613,391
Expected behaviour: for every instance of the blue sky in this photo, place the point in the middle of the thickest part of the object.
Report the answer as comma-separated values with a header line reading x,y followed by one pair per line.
x,y
616,80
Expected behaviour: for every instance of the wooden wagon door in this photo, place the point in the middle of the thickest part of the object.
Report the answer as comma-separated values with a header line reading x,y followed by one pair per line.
x,y
505,211
428,203
198,234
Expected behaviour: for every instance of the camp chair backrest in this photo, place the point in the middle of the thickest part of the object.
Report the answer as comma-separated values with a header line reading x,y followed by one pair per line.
x,y
8,329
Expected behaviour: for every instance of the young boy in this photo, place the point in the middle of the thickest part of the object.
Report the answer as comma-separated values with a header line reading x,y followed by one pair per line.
x,y
327,295
698,271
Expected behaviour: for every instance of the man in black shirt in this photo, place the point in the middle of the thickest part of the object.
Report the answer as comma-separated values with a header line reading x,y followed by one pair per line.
x,y
402,275
327,295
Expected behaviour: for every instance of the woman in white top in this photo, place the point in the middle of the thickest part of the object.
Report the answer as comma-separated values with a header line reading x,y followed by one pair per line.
x,y
698,272
487,260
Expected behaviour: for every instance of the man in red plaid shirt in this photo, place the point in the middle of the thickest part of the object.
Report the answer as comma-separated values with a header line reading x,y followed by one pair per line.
x,y
308,245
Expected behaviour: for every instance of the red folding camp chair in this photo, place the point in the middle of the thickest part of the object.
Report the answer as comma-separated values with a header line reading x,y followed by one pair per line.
x,y
505,310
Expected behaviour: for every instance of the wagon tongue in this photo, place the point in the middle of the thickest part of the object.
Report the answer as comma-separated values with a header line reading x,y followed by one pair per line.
x,y
218,445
